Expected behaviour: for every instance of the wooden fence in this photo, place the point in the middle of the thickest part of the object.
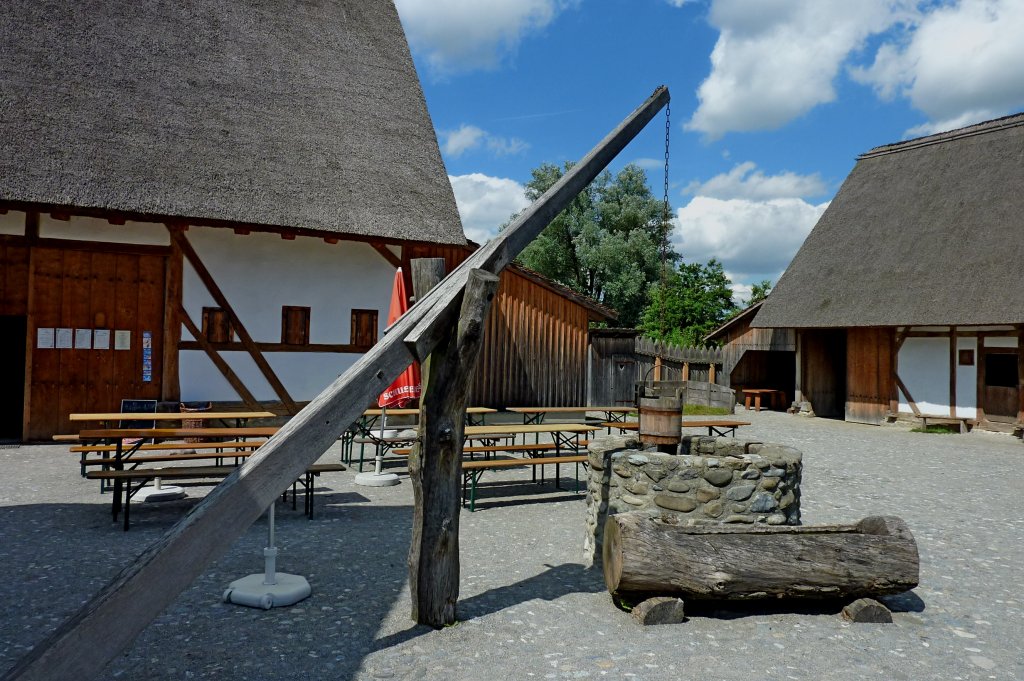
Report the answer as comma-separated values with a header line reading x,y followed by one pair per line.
x,y
620,359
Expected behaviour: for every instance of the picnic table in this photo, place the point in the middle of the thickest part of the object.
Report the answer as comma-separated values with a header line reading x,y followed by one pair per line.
x,y
776,397
530,415
240,417
365,430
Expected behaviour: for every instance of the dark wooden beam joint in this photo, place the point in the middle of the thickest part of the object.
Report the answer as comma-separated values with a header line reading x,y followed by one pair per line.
x,y
435,466
386,253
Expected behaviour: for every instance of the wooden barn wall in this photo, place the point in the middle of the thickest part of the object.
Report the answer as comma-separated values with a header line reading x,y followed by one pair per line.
x,y
613,368
869,375
83,289
13,279
535,347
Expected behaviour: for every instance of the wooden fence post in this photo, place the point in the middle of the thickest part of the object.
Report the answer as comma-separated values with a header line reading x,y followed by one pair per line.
x,y
435,463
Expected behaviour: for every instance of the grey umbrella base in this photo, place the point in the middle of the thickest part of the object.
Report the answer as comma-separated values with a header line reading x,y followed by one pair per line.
x,y
270,589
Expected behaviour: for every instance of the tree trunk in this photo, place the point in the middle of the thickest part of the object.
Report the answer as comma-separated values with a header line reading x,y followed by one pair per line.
x,y
645,555
435,464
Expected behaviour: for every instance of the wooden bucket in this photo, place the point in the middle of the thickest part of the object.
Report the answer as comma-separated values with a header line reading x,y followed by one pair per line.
x,y
660,420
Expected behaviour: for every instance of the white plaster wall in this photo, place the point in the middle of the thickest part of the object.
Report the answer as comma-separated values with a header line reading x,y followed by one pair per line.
x,y
967,380
81,228
923,365
12,222
260,273
1000,341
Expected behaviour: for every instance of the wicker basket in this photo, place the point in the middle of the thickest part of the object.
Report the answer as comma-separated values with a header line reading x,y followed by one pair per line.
x,y
191,407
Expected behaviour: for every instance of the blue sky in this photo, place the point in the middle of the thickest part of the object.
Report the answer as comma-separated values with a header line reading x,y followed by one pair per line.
x,y
772,100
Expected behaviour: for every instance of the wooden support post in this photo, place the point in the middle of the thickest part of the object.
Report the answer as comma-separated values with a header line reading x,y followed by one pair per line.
x,y
435,464
170,383
952,371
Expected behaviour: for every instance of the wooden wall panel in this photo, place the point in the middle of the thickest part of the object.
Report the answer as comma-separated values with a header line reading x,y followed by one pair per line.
x,y
13,279
869,377
90,289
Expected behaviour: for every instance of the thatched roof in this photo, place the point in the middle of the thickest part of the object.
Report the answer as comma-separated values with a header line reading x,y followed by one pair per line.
x,y
306,115
924,232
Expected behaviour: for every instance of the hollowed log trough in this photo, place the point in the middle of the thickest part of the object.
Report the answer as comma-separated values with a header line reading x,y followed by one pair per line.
x,y
645,556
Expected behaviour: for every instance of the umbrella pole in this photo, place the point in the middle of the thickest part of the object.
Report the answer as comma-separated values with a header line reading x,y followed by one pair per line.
x,y
271,589
378,478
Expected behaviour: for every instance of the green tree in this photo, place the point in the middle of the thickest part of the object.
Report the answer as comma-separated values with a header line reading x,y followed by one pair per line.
x,y
606,244
759,291
695,299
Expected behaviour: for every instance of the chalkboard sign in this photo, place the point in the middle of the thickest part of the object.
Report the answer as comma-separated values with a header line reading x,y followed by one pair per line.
x,y
138,407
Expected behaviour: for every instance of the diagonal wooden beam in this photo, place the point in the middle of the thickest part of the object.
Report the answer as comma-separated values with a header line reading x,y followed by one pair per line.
x,y
106,624
386,253
193,258
906,393
218,361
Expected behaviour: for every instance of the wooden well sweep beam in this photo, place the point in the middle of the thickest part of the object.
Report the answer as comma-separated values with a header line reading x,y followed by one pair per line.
x,y
110,621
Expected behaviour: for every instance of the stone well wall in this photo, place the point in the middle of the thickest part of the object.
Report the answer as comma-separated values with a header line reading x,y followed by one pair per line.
x,y
710,480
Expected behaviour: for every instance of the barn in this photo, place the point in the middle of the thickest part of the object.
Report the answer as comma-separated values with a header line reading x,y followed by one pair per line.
x,y
207,202
906,299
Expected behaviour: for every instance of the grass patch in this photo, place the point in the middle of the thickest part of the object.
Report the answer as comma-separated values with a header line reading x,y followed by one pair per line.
x,y
701,410
937,430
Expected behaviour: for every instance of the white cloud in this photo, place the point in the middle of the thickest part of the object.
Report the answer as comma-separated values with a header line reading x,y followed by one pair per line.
x,y
960,65
464,35
753,240
469,137
485,203
744,181
776,59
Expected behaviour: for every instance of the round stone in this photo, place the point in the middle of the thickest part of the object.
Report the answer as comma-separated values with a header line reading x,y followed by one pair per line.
x,y
681,504
769,483
739,492
714,509
719,477
751,474
739,519
706,494
632,500
777,519
680,486
763,503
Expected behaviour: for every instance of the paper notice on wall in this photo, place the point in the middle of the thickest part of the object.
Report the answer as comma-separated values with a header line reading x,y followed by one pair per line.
x,y
122,340
63,339
83,339
147,356
44,338
101,339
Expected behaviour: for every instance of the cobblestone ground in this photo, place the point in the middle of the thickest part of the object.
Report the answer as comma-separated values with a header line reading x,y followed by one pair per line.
x,y
527,607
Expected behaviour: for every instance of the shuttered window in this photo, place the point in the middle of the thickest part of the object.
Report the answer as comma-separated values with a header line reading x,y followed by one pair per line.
x,y
364,328
295,325
217,326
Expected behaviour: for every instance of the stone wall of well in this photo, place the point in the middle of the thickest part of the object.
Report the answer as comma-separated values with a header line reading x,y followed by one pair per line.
x,y
709,480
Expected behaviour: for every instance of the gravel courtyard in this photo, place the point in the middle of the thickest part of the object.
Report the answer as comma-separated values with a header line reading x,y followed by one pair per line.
x,y
528,609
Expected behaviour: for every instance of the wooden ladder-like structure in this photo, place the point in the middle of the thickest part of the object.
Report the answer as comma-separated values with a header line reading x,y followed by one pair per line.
x,y
110,621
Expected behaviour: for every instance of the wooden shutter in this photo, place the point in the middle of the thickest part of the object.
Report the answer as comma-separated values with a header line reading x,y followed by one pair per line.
x,y
295,325
217,326
364,328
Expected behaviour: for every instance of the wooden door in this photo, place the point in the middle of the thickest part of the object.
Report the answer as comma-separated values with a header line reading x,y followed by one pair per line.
x,y
823,370
86,291
869,380
999,383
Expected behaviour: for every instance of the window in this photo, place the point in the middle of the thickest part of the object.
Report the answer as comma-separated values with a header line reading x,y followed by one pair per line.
x,y
364,328
1001,369
217,326
295,325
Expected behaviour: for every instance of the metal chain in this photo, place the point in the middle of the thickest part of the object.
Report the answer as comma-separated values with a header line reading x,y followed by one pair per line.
x,y
665,226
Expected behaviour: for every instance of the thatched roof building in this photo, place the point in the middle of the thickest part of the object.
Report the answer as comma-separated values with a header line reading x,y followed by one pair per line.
x,y
907,297
922,232
285,115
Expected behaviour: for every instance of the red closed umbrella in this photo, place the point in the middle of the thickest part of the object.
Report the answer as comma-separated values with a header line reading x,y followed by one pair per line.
x,y
406,387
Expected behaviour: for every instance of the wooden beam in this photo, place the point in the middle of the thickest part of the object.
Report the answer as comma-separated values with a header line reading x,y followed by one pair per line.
x,y
498,253
243,335
236,346
106,624
393,259
952,371
170,383
32,226
910,398
218,361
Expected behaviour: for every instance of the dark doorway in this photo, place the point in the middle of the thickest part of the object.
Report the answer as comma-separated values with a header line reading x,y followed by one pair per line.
x,y
12,376
823,371
1000,384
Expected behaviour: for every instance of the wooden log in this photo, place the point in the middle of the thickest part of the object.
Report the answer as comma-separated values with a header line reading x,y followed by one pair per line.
x,y
435,463
106,624
867,610
877,556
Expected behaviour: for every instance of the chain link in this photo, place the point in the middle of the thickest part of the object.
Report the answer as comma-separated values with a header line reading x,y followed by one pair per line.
x,y
665,227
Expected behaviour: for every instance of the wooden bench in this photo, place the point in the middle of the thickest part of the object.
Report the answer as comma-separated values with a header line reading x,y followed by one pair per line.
x,y
222,450
494,449
962,424
123,490
473,470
